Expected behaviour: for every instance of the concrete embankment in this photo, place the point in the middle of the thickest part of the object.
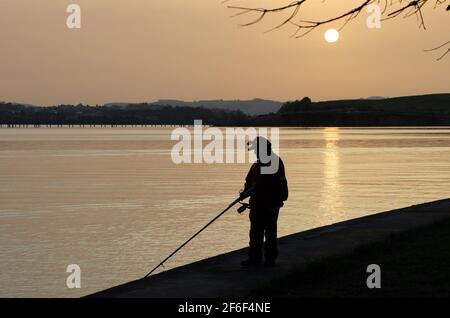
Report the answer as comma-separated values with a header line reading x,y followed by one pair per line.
x,y
222,276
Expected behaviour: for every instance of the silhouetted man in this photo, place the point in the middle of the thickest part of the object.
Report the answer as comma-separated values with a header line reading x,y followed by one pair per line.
x,y
268,179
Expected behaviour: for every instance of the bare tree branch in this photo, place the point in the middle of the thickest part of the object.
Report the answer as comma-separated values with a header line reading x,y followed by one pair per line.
x,y
447,44
304,26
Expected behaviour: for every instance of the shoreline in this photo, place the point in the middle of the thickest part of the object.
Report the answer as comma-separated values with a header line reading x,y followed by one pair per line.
x,y
222,276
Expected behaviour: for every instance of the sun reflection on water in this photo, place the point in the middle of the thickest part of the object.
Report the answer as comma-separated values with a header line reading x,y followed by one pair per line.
x,y
331,198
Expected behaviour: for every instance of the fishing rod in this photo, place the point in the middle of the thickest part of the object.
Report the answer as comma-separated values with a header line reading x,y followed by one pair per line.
x,y
242,196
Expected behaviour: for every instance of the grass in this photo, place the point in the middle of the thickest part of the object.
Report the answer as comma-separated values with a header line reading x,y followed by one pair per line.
x,y
415,263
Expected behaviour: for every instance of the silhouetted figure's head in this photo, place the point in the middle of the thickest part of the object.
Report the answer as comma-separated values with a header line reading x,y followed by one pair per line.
x,y
261,146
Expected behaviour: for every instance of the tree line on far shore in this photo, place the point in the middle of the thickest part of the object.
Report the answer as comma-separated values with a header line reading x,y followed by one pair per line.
x,y
424,110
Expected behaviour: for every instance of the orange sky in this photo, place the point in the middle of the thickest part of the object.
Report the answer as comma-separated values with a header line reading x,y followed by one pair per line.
x,y
143,50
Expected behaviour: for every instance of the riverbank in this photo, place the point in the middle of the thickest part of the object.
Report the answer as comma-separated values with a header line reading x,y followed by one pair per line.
x,y
412,264
222,276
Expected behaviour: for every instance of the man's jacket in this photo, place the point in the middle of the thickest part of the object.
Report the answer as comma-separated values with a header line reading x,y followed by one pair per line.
x,y
270,190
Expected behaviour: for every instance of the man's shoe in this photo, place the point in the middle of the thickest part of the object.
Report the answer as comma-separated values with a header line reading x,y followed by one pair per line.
x,y
250,263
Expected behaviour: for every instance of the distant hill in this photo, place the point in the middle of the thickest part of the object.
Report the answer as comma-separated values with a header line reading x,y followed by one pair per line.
x,y
423,110
419,103
255,106
375,97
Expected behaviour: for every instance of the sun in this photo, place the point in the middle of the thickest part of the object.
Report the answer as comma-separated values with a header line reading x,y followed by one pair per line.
x,y
331,35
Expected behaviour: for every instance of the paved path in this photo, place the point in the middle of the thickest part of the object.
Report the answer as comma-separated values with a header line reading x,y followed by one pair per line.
x,y
222,276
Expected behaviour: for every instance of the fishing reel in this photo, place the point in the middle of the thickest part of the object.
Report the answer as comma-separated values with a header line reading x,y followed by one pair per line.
x,y
244,206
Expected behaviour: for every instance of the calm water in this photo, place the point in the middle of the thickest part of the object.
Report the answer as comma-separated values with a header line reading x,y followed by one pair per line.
x,y
112,201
